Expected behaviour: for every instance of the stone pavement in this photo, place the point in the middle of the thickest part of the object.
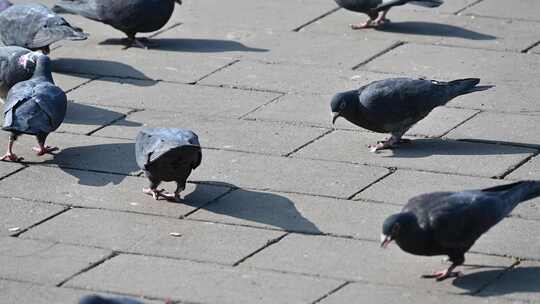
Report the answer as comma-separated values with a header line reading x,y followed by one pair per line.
x,y
284,208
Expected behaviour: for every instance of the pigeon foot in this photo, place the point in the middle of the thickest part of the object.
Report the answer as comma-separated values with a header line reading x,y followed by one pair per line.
x,y
172,197
44,149
361,26
137,42
443,275
11,157
155,193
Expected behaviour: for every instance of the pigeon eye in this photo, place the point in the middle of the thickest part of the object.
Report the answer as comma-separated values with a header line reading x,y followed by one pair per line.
x,y
342,106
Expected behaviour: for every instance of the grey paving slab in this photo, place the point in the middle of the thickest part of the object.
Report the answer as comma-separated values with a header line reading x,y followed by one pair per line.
x,y
519,284
500,127
365,293
366,261
102,190
81,152
18,214
523,9
84,118
425,26
171,97
436,155
285,174
44,262
529,170
290,78
68,81
201,283
232,134
150,235
8,168
301,213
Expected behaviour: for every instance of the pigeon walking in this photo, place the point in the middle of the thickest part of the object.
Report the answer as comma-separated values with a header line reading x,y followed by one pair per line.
x,y
14,67
95,299
35,27
449,223
128,16
166,154
377,9
35,106
394,105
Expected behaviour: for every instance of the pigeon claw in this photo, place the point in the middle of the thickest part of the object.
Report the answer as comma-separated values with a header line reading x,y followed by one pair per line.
x,y
11,157
443,275
42,150
155,193
361,26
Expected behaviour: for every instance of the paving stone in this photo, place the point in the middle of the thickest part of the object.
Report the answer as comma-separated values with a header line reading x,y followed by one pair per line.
x,y
427,27
523,9
301,213
529,170
68,82
366,261
102,190
44,262
81,152
84,118
501,127
271,173
290,78
18,214
519,284
423,154
8,168
232,134
366,293
171,97
200,282
150,235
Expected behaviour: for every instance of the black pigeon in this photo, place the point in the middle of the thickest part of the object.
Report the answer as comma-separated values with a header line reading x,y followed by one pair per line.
x,y
448,223
128,16
35,106
166,154
373,9
35,27
394,105
14,67
95,299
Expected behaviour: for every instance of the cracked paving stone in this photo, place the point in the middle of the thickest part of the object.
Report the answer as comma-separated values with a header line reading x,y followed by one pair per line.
x,y
18,213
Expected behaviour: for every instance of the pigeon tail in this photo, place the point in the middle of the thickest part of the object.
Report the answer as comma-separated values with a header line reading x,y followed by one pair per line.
x,y
427,3
465,86
516,193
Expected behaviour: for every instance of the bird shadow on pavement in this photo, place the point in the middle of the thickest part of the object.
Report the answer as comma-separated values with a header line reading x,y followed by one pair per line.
x,y
93,68
433,29
84,114
192,45
265,208
514,281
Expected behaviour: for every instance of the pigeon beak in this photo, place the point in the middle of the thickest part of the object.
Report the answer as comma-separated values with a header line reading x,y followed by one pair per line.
x,y
335,116
385,240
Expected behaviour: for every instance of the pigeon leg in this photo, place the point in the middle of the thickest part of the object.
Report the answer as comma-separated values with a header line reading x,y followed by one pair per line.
x,y
153,190
381,19
176,196
10,156
43,149
364,25
444,274
391,142
132,41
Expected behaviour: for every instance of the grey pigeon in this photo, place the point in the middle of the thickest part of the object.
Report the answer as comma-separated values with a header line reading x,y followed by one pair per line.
x,y
377,9
128,16
35,106
449,223
4,4
12,67
95,299
35,27
167,154
394,105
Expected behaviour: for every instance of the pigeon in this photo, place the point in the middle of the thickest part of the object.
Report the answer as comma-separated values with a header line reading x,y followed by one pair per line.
x,y
373,9
12,70
35,27
128,16
4,4
95,299
394,105
449,223
35,107
167,154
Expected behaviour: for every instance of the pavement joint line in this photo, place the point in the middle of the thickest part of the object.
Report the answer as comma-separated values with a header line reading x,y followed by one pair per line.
x,y
213,201
458,12
110,123
498,277
256,109
331,292
268,244
18,233
74,168
13,172
522,113
516,166
301,27
395,45
502,18
88,268
82,84
527,49
173,26
215,71
242,88
478,112
288,155
500,143
390,172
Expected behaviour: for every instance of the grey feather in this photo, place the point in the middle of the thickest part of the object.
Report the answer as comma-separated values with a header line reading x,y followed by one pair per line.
x,y
11,70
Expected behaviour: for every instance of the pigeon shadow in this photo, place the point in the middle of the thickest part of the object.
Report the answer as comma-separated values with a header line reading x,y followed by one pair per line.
x,y
192,45
117,159
83,114
92,68
514,281
433,29
268,209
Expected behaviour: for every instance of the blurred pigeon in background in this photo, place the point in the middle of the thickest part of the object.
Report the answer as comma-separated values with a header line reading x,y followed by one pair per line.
x,y
128,16
377,9
4,4
394,105
166,154
12,69
35,27
449,223
95,299
35,106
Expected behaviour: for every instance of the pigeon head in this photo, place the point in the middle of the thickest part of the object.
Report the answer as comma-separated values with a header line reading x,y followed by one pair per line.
x,y
397,225
344,104
29,60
